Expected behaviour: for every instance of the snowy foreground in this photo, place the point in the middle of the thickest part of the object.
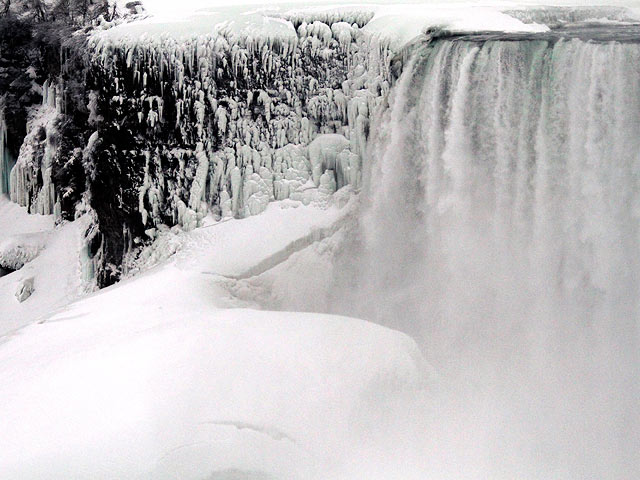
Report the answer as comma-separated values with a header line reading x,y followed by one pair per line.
x,y
180,372
162,376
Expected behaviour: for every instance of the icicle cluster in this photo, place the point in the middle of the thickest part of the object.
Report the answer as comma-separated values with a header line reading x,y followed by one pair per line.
x,y
30,182
231,122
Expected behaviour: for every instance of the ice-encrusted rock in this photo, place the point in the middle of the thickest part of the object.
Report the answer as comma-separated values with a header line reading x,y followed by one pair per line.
x,y
25,289
326,153
18,250
5,160
31,183
241,100
178,124
200,179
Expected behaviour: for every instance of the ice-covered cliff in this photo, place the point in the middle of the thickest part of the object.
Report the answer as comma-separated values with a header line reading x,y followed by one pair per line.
x,y
157,122
5,159
223,119
179,124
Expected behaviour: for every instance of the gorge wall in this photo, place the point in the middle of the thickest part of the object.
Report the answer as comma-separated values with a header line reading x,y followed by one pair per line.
x,y
158,132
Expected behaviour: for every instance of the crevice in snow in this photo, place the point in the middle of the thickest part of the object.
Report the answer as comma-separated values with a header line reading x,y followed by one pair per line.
x,y
270,431
316,235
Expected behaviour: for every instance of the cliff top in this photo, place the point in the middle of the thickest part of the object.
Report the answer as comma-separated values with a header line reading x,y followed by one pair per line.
x,y
399,22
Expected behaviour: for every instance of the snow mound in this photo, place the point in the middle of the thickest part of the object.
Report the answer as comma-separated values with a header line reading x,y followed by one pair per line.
x,y
14,220
236,22
397,22
152,379
400,24
236,248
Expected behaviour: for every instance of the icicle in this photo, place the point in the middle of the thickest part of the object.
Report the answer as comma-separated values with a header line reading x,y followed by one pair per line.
x,y
247,96
143,189
199,181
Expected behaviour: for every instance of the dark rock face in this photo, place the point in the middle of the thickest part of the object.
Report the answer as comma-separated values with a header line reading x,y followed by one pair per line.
x,y
15,85
5,271
113,186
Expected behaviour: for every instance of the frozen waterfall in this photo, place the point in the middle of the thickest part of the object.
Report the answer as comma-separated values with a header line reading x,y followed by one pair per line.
x,y
507,185
501,228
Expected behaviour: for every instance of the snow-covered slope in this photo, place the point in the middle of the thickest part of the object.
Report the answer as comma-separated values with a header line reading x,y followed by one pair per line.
x,y
162,377
154,378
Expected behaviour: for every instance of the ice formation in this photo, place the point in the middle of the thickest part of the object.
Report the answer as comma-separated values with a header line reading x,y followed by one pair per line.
x,y
239,108
30,182
17,250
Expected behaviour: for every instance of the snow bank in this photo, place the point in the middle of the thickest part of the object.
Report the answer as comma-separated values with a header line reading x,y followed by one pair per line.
x,y
402,23
398,22
289,286
22,236
236,21
15,220
238,249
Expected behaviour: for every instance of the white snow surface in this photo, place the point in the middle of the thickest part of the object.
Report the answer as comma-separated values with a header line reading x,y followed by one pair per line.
x,y
160,377
14,220
397,21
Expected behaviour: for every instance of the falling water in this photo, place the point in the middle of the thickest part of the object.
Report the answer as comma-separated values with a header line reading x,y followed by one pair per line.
x,y
502,230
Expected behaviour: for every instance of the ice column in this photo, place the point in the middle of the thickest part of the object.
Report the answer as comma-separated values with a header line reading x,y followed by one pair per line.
x,y
6,161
